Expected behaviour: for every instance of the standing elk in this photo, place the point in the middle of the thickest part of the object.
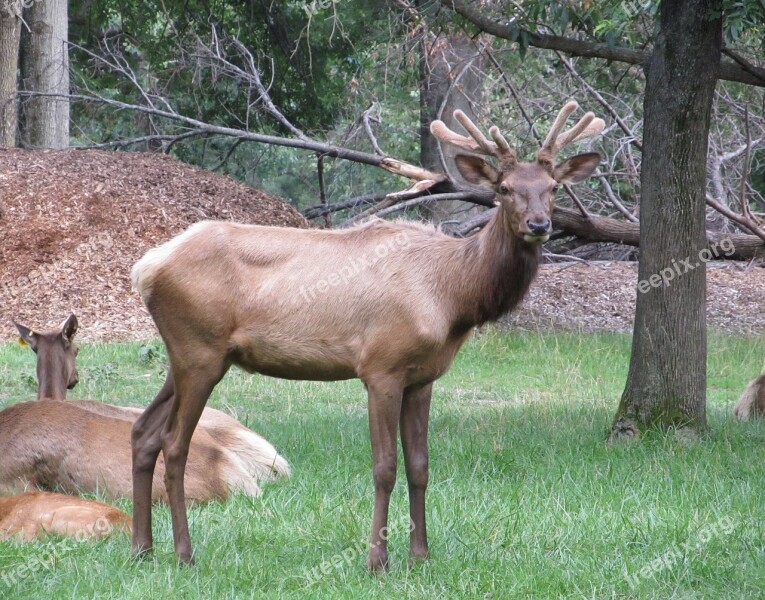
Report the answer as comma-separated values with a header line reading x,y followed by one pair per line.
x,y
82,445
224,294
752,401
35,514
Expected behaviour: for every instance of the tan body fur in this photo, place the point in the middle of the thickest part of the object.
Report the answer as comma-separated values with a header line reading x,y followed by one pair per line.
x,y
752,402
35,514
57,445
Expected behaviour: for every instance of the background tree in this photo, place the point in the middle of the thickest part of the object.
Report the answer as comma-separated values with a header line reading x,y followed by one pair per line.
x,y
10,32
45,69
667,377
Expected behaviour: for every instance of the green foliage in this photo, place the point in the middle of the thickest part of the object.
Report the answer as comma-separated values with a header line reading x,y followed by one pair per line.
x,y
744,22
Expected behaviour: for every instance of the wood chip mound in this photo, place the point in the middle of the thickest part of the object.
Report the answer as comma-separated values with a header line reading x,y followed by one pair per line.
x,y
73,222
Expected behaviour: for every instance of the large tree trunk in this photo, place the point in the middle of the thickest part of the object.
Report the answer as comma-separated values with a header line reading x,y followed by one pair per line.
x,y
10,32
45,69
450,79
666,384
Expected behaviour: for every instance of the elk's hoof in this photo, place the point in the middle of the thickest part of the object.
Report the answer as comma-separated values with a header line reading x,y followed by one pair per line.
x,y
377,561
141,551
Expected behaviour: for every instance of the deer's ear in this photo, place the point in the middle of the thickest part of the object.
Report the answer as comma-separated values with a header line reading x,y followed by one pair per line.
x,y
27,337
476,170
577,168
69,328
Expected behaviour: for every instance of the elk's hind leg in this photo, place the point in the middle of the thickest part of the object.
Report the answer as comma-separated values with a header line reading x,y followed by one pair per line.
x,y
193,386
146,444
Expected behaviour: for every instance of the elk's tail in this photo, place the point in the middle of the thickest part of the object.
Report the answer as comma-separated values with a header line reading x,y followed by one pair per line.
x,y
752,401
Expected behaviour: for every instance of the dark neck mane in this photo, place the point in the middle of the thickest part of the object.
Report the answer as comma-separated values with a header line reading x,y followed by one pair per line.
x,y
48,384
499,267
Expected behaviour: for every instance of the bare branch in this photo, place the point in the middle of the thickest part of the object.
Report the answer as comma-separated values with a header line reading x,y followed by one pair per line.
x,y
735,218
366,117
319,211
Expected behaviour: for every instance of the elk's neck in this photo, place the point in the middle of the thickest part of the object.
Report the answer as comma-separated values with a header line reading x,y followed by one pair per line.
x,y
498,270
50,387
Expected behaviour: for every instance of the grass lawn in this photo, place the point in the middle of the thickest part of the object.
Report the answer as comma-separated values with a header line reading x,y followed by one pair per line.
x,y
526,499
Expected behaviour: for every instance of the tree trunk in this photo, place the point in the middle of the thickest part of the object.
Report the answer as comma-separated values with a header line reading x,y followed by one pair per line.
x,y
10,32
450,79
666,385
45,69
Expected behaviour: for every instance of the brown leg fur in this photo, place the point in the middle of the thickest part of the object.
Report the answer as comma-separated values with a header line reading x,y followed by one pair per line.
x,y
146,444
414,441
385,396
193,387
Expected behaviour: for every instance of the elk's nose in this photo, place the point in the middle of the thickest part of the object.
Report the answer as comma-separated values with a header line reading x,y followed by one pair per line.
x,y
538,227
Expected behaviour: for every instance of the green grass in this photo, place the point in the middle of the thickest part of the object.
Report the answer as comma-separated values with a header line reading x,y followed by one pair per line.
x,y
526,499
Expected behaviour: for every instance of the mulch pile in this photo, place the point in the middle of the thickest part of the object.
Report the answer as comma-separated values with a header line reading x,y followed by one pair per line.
x,y
601,295
72,223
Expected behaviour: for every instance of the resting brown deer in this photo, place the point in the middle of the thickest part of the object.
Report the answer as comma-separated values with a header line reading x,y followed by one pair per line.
x,y
57,445
224,294
57,372
35,514
82,445
752,401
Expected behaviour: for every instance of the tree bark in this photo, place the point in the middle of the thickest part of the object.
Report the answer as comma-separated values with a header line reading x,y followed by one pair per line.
x,y
10,32
449,80
666,385
45,69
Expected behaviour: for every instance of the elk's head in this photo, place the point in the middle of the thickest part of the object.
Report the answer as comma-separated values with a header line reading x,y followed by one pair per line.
x,y
525,191
56,353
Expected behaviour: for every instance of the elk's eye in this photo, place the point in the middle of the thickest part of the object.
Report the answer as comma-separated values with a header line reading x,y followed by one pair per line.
x,y
503,189
556,187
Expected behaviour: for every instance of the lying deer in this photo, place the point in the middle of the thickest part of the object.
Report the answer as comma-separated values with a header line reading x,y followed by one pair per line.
x,y
35,514
225,456
224,294
752,402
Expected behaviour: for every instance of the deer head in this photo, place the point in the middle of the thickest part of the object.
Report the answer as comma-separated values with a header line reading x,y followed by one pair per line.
x,y
56,354
525,191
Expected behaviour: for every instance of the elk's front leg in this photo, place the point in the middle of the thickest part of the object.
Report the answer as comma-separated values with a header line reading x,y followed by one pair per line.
x,y
415,411
384,410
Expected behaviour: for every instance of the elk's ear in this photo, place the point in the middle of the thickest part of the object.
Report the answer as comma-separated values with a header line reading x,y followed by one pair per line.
x,y
476,170
576,168
27,337
69,328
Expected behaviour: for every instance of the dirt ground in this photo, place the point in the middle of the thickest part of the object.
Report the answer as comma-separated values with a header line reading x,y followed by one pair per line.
x,y
72,223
